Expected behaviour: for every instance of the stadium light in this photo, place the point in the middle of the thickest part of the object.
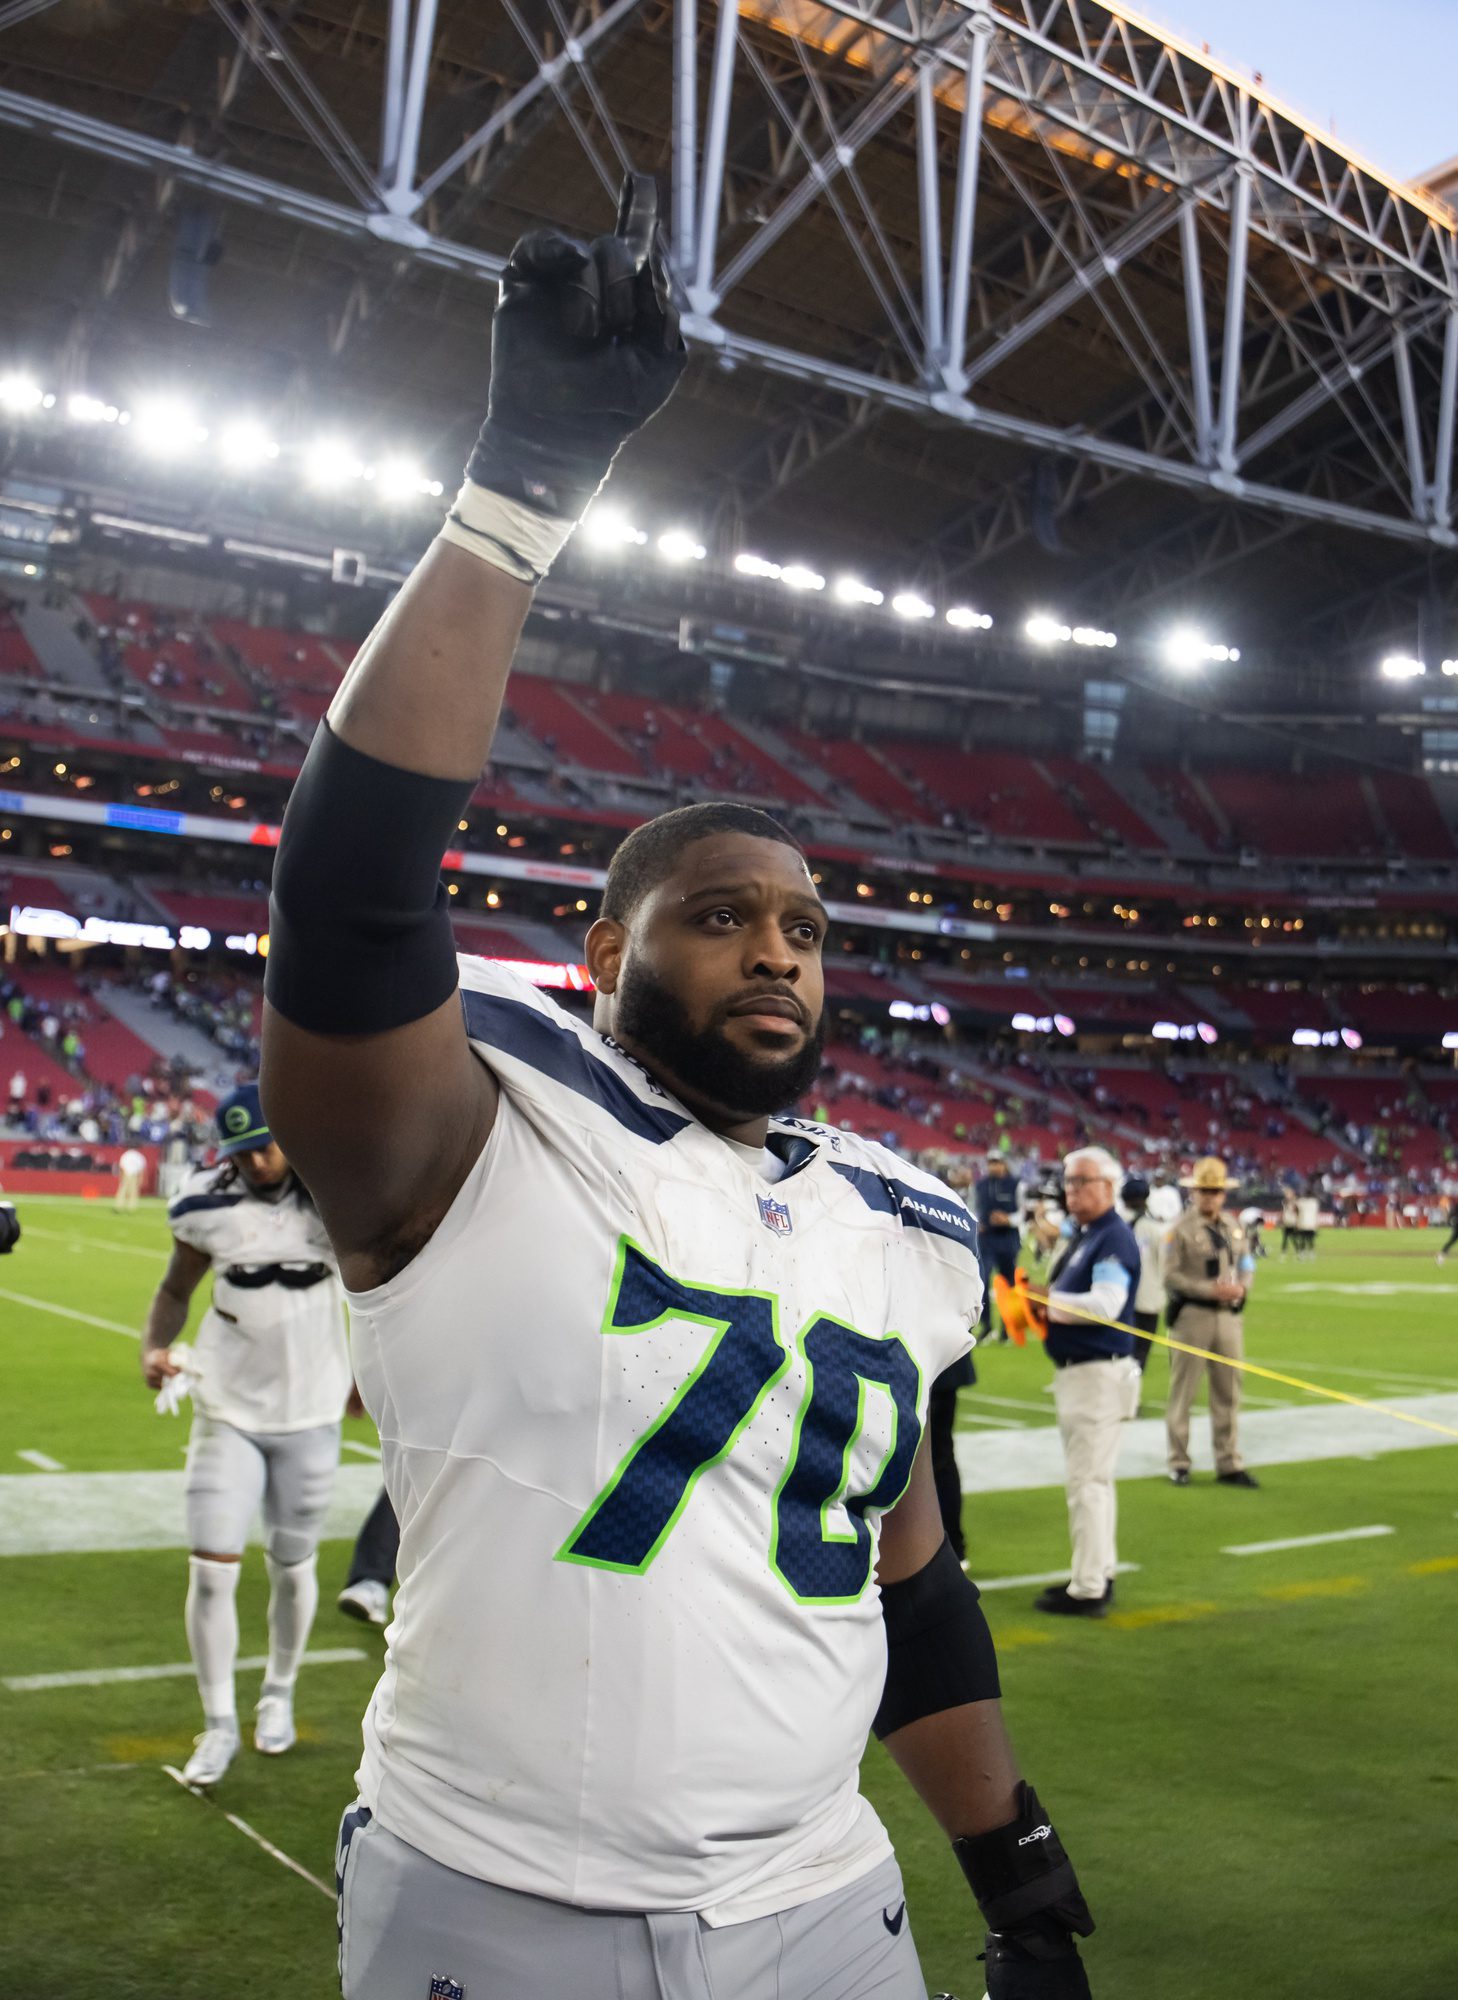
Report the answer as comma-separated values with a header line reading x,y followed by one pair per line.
x,y
20,395
966,620
329,463
679,545
606,528
401,479
1186,649
1046,631
245,445
1450,666
91,410
1090,635
906,604
797,576
166,428
850,590
1402,667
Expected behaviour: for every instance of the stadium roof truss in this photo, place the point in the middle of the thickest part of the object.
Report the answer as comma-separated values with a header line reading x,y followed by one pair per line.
x,y
895,203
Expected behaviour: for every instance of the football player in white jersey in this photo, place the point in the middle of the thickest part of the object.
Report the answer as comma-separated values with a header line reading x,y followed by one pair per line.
x,y
650,1363
269,1376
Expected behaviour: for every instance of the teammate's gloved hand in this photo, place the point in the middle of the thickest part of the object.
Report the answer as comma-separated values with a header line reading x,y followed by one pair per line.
x,y
585,348
1039,1961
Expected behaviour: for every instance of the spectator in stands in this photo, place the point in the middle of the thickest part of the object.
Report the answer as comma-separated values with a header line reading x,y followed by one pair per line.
x,y
1207,1272
1096,1385
17,1095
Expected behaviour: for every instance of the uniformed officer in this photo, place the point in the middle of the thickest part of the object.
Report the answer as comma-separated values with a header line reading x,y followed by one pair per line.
x,y
1207,1271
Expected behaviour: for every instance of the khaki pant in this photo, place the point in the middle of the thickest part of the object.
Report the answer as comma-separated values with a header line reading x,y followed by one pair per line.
x,y
1217,1333
1093,1399
129,1191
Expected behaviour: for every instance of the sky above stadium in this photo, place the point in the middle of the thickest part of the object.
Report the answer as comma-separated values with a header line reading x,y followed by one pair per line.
x,y
1382,75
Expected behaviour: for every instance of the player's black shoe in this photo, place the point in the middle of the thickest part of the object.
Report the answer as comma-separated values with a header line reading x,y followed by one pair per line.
x,y
1241,1478
1061,1604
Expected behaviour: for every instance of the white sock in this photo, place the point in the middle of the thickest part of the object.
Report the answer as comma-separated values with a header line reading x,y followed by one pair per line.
x,y
211,1619
293,1599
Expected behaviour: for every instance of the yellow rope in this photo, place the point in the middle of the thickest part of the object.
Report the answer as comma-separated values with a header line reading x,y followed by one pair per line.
x,y
1065,1304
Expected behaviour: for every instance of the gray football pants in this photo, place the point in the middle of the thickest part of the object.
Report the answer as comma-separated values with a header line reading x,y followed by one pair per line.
x,y
410,1927
232,1473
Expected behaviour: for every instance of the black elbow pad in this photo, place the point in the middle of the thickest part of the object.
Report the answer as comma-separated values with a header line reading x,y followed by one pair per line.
x,y
939,1652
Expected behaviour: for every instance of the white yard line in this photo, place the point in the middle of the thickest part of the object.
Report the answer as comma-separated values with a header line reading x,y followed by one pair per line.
x,y
1307,1541
41,1460
73,1513
95,1242
986,1583
1018,1461
252,1833
360,1450
995,1423
69,1312
1374,1375
324,1656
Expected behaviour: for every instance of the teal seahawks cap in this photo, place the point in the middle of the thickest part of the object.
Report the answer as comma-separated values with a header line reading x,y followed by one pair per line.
x,y
242,1127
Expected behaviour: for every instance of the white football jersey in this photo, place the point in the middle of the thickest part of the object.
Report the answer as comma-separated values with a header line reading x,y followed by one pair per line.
x,y
268,1356
641,1411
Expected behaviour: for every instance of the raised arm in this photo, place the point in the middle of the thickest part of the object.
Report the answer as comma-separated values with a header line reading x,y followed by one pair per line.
x,y
941,1719
368,1080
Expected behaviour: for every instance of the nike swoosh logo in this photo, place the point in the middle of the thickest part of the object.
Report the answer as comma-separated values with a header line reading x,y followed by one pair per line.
x,y
893,1924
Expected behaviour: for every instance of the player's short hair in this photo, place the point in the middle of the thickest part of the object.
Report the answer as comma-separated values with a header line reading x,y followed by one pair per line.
x,y
650,851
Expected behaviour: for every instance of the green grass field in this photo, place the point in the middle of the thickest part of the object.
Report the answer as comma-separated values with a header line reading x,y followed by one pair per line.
x,y
1252,1761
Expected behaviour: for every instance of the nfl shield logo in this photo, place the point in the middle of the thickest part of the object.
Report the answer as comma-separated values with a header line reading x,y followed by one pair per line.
x,y
445,1989
774,1214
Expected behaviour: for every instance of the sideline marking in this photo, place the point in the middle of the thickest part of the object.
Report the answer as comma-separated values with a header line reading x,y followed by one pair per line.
x,y
1161,1614
1318,1586
1434,1566
69,1771
993,1423
1038,1576
327,1656
41,1460
1006,1402
274,1853
96,1242
1306,1541
363,1450
69,1312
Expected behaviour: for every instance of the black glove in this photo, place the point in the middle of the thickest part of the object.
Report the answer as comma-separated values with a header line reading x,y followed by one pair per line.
x,y
585,348
1038,1962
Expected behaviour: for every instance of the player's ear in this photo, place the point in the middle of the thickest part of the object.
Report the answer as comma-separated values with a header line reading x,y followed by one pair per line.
x,y
604,949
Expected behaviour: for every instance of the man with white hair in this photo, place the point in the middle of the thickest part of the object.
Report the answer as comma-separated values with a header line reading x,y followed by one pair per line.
x,y
1096,1386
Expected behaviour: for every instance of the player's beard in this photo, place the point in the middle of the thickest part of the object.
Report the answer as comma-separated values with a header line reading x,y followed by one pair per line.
x,y
651,1016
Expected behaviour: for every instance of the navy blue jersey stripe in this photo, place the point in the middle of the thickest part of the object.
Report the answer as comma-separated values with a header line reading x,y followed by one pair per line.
x,y
534,1038
191,1203
918,1208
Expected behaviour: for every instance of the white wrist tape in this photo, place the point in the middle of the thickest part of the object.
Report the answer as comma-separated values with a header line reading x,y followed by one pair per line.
x,y
504,533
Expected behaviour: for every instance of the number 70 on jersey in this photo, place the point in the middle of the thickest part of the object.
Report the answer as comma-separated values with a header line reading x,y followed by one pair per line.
x,y
744,1358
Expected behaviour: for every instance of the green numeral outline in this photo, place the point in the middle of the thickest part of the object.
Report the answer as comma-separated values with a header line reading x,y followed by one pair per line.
x,y
610,1325
838,1497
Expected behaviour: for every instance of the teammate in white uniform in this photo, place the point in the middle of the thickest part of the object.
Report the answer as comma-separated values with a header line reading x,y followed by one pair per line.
x,y
269,1376
649,1362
